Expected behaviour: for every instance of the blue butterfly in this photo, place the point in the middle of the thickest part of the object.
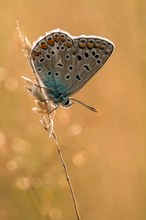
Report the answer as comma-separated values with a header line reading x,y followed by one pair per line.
x,y
65,63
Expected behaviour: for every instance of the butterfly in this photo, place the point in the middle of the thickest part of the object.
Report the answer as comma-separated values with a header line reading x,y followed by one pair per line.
x,y
65,63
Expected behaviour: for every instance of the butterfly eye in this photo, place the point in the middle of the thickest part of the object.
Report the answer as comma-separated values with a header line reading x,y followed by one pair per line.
x,y
67,103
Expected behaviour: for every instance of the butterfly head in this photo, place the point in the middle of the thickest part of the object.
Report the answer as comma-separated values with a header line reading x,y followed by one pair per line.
x,y
59,98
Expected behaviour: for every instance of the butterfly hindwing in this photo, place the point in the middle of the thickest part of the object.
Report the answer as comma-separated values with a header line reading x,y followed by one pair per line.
x,y
91,54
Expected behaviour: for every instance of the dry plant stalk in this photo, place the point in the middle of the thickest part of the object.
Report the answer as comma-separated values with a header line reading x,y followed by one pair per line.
x,y
45,108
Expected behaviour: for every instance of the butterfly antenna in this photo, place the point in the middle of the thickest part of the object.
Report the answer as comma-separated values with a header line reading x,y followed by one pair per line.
x,y
85,105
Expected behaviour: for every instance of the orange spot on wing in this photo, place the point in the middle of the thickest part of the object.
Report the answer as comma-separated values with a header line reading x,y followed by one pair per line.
x,y
82,44
102,47
43,45
68,44
56,37
36,53
62,38
97,44
90,44
51,42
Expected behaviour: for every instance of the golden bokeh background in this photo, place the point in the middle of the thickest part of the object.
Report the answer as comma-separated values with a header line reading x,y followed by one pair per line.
x,y
104,152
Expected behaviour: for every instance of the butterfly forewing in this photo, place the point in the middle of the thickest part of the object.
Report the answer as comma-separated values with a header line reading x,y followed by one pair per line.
x,y
65,63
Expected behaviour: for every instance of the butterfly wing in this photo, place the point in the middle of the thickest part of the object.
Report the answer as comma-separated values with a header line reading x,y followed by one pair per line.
x,y
52,58
65,63
91,54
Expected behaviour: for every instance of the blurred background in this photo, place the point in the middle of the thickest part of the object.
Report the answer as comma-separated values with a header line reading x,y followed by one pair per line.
x,y
104,152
